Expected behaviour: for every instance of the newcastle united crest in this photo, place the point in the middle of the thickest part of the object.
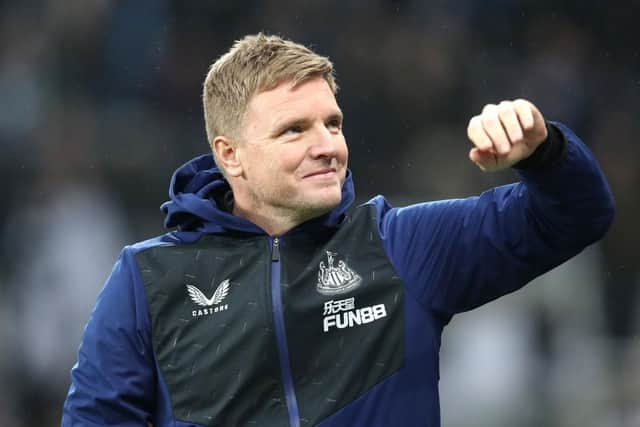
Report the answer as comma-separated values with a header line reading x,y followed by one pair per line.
x,y
338,279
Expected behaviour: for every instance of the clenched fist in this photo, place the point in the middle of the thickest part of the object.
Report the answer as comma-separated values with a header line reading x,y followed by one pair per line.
x,y
506,133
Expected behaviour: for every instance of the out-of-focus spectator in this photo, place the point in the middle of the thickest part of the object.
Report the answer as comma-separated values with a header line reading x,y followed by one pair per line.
x,y
62,240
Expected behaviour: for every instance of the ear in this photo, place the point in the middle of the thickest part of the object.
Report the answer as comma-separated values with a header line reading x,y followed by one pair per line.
x,y
226,153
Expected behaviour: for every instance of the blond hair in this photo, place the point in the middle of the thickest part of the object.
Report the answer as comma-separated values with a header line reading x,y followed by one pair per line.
x,y
254,64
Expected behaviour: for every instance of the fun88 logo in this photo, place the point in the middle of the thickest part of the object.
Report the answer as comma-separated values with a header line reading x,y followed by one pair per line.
x,y
343,314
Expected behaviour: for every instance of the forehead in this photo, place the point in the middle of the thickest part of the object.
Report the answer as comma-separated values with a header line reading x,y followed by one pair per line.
x,y
313,96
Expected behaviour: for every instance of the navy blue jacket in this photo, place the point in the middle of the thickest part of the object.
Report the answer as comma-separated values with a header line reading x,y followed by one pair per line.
x,y
450,255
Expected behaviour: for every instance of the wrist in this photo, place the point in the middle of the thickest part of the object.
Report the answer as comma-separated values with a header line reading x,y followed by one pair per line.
x,y
549,153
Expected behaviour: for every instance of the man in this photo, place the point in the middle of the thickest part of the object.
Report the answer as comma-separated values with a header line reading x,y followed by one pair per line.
x,y
276,302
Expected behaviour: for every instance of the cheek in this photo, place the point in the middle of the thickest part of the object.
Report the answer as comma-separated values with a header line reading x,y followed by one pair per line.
x,y
289,160
343,152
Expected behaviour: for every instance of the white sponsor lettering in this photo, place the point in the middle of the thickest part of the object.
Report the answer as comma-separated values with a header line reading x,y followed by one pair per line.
x,y
350,317
208,311
332,307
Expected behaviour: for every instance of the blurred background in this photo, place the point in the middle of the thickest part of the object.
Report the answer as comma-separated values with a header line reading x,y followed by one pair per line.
x,y
100,102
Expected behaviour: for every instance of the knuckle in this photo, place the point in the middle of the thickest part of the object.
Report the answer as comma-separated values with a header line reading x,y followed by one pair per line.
x,y
505,112
521,105
489,107
528,123
506,109
490,119
515,129
474,121
473,126
517,138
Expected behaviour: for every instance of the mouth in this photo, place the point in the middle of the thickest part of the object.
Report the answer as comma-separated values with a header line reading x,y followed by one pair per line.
x,y
322,173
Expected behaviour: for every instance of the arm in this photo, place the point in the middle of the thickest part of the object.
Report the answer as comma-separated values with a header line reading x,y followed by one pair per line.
x,y
113,380
455,255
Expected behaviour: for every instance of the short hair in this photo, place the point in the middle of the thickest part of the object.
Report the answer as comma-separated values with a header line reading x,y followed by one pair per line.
x,y
254,64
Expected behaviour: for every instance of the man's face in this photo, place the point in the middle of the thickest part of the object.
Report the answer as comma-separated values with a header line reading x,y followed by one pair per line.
x,y
293,153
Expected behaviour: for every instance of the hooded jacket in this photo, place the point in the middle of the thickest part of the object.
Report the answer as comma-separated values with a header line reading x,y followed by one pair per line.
x,y
335,323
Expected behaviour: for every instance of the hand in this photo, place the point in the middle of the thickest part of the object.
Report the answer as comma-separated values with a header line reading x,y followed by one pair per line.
x,y
504,134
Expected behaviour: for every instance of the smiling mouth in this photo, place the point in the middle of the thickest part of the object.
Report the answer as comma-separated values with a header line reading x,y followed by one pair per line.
x,y
330,172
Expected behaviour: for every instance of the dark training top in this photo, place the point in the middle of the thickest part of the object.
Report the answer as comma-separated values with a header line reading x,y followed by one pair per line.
x,y
335,323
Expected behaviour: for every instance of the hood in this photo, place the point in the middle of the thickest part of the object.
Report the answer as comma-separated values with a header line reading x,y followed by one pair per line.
x,y
200,196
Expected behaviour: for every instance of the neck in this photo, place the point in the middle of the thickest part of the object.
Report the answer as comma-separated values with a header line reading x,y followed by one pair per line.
x,y
273,223
274,220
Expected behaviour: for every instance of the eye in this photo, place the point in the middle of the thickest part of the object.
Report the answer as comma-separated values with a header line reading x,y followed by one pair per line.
x,y
334,124
292,130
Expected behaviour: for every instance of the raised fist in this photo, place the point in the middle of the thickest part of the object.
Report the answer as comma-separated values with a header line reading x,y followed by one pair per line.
x,y
504,134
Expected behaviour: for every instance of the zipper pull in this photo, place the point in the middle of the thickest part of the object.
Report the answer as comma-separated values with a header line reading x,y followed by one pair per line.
x,y
275,252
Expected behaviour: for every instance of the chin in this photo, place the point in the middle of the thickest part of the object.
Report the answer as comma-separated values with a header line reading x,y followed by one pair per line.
x,y
332,203
318,201
322,205
331,197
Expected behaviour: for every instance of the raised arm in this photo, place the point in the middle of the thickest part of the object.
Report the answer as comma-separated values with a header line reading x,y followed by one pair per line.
x,y
455,255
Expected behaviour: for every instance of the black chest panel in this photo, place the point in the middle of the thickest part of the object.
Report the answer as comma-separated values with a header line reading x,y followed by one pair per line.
x,y
215,342
341,344
219,360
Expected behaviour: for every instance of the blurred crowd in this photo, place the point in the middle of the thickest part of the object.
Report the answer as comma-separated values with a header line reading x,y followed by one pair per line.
x,y
100,102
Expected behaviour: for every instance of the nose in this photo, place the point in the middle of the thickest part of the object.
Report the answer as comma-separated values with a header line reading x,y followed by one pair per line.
x,y
325,143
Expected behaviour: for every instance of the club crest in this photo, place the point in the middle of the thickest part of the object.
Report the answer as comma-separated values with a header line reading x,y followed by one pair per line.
x,y
334,279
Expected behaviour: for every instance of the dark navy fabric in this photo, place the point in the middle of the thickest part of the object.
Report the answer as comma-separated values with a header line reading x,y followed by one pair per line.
x,y
452,255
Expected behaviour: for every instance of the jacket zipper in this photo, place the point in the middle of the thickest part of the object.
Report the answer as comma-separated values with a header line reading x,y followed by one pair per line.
x,y
281,336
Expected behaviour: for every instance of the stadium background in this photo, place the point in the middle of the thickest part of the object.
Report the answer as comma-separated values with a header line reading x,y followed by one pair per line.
x,y
100,101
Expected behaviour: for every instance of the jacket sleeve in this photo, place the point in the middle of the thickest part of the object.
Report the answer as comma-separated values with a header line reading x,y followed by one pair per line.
x,y
113,381
455,255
